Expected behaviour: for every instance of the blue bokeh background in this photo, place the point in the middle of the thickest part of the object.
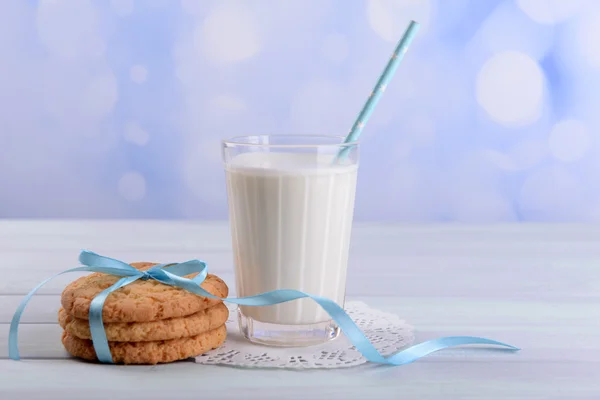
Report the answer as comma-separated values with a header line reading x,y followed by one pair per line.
x,y
115,109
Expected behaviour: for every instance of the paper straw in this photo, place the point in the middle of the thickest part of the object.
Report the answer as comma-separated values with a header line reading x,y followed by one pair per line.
x,y
381,85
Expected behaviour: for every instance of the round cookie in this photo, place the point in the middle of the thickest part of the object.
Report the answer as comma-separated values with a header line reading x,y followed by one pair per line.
x,y
165,329
140,301
149,352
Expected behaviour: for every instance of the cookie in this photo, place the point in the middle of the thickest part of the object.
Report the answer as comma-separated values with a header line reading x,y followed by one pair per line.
x,y
149,352
165,329
140,301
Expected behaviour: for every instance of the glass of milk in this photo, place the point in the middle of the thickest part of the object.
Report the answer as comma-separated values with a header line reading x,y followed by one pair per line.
x,y
291,203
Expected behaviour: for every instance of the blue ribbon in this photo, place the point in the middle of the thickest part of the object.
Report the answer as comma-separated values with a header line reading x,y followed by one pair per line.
x,y
173,275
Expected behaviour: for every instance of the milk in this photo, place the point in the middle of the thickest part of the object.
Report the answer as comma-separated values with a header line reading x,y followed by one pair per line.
x,y
291,216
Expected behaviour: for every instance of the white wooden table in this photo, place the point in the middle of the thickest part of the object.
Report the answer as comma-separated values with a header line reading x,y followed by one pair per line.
x,y
534,286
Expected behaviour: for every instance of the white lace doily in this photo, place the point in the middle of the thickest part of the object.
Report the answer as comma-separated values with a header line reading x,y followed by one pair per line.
x,y
386,331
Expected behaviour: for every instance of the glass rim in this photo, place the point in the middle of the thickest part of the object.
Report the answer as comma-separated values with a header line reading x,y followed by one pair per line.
x,y
236,141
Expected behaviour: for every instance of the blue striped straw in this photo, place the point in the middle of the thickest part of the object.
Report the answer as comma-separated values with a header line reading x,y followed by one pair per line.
x,y
379,88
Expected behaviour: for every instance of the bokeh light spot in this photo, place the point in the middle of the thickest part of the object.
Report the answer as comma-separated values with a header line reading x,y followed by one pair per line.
x,y
133,133
228,34
587,38
510,87
551,194
229,102
132,186
528,153
550,11
100,96
138,73
67,28
524,35
569,140
389,18
499,159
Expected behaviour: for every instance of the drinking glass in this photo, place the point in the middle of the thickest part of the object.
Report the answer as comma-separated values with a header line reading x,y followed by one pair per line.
x,y
291,204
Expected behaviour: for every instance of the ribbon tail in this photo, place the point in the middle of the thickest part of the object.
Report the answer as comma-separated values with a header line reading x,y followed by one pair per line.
x,y
13,334
358,338
423,349
366,348
99,339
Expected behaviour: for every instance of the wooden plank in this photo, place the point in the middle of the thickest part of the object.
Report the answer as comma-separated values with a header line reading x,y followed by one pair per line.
x,y
36,341
372,275
21,281
385,260
551,344
40,309
103,235
181,236
435,311
67,379
545,331
56,261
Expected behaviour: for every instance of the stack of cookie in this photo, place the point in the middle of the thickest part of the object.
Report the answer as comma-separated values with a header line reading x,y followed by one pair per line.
x,y
146,322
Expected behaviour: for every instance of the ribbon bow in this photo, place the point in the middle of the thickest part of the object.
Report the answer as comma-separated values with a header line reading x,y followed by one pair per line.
x,y
173,275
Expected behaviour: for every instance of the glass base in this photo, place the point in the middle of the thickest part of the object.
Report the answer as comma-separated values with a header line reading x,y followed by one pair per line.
x,y
286,335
